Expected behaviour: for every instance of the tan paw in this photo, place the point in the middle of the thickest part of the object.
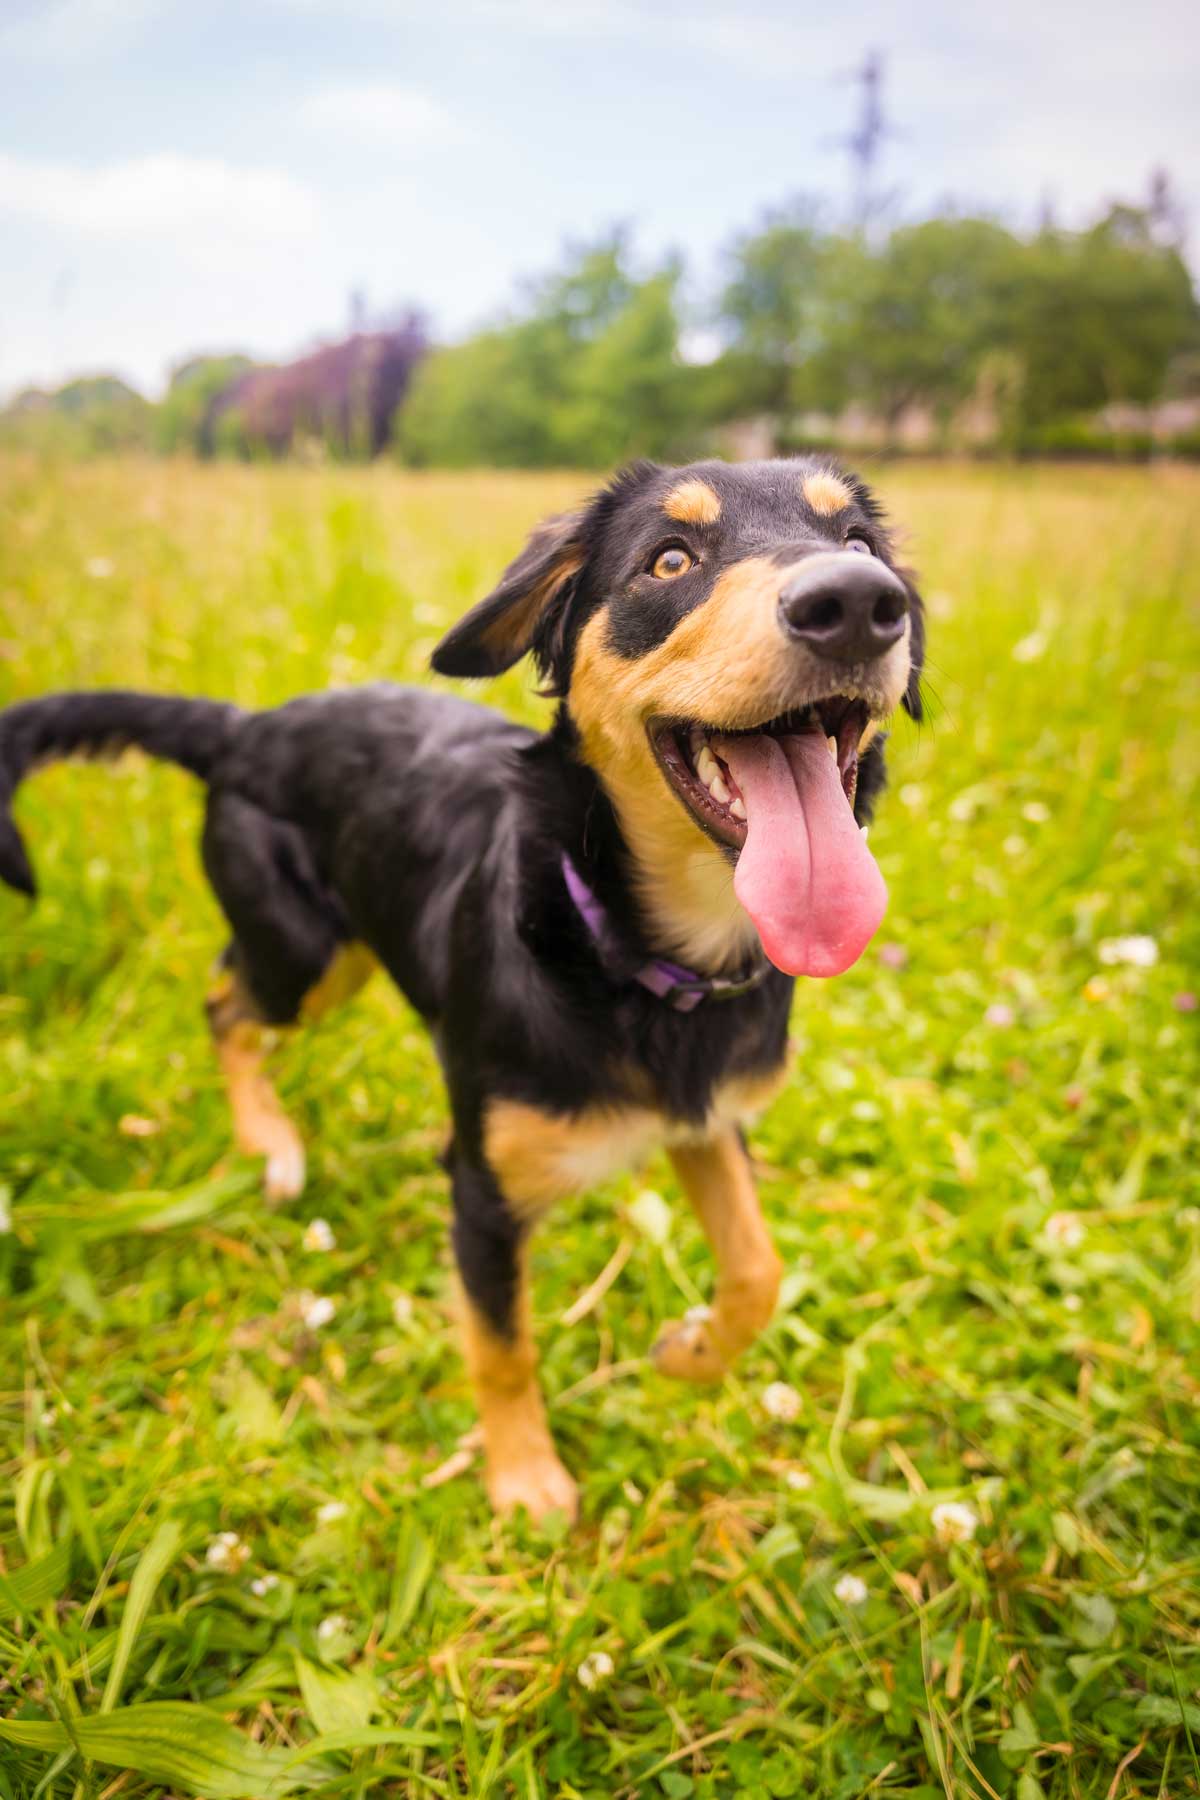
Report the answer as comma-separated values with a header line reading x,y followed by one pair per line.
x,y
283,1174
687,1350
283,1177
541,1485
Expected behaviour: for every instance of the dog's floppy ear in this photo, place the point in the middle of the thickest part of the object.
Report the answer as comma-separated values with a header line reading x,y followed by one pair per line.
x,y
498,632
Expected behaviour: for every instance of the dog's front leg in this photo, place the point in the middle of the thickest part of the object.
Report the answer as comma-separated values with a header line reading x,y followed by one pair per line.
x,y
523,1468
716,1178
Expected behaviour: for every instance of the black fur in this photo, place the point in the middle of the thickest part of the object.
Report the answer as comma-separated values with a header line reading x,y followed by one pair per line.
x,y
433,830
189,732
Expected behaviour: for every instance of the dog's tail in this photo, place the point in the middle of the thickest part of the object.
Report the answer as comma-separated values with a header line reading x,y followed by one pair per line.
x,y
193,733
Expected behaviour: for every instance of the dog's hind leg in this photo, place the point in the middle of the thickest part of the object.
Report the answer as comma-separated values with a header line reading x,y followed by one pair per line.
x,y
261,1127
717,1180
289,962
490,1245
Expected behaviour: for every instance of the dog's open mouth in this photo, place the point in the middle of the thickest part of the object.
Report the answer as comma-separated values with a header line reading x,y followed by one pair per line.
x,y
704,776
781,797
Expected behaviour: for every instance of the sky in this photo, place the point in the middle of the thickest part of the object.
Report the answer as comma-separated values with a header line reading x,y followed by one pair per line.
x,y
188,175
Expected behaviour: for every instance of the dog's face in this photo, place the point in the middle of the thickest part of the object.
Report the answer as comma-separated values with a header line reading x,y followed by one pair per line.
x,y
728,639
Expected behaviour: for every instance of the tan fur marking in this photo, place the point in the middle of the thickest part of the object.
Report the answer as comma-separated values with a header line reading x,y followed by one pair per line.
x,y
522,1466
728,664
512,632
693,503
351,966
826,493
537,1157
717,1180
260,1125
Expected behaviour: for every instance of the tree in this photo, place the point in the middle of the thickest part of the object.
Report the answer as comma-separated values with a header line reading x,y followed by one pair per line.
x,y
916,319
91,416
590,376
775,309
1098,316
185,418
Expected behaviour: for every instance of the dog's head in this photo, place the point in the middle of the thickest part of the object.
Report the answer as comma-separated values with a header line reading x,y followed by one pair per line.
x,y
727,640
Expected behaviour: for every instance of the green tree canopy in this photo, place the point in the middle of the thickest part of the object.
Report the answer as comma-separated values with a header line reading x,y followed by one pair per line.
x,y
588,377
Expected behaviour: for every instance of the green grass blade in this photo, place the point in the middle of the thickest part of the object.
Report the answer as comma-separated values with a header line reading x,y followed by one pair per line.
x,y
155,1560
170,1741
414,1565
365,1737
104,1216
27,1589
335,1701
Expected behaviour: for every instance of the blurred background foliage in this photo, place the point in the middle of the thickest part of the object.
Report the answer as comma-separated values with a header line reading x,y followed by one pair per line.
x,y
952,333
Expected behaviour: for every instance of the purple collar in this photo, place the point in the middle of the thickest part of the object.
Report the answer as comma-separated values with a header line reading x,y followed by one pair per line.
x,y
679,987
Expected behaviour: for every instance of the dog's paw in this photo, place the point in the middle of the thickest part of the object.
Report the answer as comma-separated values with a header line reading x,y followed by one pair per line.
x,y
541,1485
688,1351
283,1176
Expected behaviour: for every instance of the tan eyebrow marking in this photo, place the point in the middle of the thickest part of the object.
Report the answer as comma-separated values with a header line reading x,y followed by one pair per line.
x,y
693,503
825,492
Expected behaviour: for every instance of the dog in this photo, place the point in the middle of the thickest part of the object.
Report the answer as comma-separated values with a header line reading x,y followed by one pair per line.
x,y
601,924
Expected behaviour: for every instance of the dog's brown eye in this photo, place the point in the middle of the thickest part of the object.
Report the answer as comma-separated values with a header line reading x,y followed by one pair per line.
x,y
669,564
859,544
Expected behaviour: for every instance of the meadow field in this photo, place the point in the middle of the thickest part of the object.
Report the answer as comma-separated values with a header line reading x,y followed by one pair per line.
x,y
939,1536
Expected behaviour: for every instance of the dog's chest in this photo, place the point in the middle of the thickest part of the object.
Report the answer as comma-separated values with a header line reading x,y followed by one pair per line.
x,y
537,1156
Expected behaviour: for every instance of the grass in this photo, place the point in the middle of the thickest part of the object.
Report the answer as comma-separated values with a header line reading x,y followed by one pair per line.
x,y
983,1179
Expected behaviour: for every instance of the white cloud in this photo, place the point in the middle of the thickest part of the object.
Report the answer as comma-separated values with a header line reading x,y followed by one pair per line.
x,y
385,113
73,28
166,193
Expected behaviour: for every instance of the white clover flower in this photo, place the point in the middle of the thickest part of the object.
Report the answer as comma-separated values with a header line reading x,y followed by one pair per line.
x,y
782,1402
331,1512
954,1522
799,1480
1000,1014
337,1625
1073,1302
402,1309
263,1585
851,1590
912,795
595,1669
99,567
316,1310
1036,811
1064,1230
1140,952
1014,845
319,1235
227,1553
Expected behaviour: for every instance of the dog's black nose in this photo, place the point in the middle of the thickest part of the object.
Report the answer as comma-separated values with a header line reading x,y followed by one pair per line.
x,y
847,607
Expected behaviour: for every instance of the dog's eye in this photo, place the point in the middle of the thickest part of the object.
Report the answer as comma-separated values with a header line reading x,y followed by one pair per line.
x,y
860,545
668,565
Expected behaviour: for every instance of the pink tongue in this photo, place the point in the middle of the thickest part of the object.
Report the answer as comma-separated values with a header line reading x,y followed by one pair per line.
x,y
805,875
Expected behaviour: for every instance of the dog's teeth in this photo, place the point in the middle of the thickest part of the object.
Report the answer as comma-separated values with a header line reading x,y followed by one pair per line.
x,y
706,767
737,808
863,829
696,740
719,791
831,746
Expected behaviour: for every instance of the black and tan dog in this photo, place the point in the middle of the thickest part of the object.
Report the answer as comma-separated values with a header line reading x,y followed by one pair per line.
x,y
600,925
